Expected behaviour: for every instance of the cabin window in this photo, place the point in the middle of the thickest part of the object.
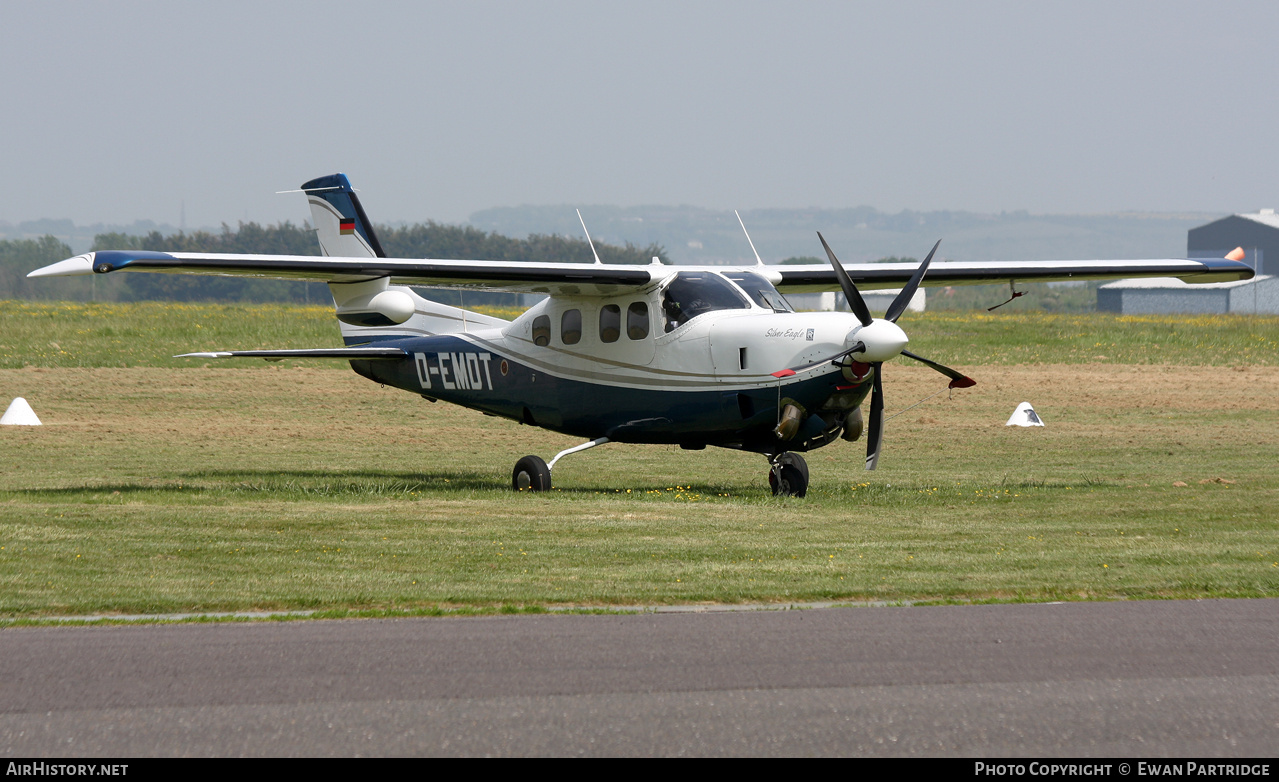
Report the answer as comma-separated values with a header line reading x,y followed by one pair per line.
x,y
610,323
571,327
690,294
760,290
637,320
542,330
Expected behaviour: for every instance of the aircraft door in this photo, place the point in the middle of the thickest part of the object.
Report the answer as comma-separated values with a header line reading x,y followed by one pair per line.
x,y
730,349
686,353
691,340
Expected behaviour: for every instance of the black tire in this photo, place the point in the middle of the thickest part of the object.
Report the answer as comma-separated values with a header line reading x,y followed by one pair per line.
x,y
788,476
531,474
796,461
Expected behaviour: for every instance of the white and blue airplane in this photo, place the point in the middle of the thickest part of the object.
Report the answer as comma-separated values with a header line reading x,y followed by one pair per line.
x,y
686,355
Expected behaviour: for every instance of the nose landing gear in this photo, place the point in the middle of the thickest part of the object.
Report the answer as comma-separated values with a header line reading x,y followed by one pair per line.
x,y
788,475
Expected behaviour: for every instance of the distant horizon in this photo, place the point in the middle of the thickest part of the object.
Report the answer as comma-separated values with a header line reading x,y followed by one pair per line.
x,y
570,207
702,235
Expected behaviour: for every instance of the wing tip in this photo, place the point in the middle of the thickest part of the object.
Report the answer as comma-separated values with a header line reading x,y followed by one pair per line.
x,y
71,267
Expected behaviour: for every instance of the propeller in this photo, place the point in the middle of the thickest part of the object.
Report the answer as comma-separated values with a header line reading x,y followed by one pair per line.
x,y
881,340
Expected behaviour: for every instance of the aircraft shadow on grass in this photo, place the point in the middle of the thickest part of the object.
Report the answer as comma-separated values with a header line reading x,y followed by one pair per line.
x,y
344,482
379,483
352,483
405,485
323,483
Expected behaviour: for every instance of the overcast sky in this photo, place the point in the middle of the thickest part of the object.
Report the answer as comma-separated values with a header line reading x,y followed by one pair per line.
x,y
115,111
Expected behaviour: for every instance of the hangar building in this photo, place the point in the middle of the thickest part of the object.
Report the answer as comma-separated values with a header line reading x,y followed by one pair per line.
x,y
1162,295
1257,233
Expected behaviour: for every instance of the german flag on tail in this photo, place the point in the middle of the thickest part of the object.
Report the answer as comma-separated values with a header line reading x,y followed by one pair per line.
x,y
347,226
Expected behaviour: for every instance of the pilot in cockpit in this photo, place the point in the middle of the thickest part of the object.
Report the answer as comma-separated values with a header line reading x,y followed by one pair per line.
x,y
690,294
673,312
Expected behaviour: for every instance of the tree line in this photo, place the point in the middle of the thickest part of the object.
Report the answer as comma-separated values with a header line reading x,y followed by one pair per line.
x,y
419,240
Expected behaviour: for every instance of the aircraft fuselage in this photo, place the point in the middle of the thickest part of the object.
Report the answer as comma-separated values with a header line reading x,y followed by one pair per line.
x,y
708,381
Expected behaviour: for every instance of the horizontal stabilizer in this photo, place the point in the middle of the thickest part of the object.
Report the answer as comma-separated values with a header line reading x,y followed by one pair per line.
x,y
365,354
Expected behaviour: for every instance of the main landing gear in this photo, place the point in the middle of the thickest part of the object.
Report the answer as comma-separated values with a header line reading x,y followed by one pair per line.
x,y
788,474
533,474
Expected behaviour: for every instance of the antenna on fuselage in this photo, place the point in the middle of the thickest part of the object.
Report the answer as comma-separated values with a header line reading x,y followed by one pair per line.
x,y
748,238
588,237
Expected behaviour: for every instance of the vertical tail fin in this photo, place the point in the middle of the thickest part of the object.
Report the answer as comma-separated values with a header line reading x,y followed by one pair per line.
x,y
343,229
374,310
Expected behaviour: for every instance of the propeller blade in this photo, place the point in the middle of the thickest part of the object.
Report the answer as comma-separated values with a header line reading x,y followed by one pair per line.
x,y
875,424
898,306
856,348
957,379
855,301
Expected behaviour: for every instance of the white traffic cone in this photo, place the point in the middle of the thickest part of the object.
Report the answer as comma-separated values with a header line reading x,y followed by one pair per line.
x,y
20,414
1024,415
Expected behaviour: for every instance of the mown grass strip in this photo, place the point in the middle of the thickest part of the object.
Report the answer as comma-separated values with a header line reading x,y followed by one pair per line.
x,y
149,334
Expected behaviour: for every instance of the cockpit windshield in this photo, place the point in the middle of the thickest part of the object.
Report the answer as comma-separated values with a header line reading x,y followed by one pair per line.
x,y
760,290
690,294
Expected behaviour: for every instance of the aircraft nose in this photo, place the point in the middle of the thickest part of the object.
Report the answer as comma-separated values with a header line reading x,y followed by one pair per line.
x,y
883,339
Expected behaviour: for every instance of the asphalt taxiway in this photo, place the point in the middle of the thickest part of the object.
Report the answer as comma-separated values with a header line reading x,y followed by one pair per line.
x,y
1150,679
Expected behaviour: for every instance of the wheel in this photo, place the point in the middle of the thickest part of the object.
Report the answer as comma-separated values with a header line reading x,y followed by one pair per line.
x,y
531,474
787,481
788,476
796,461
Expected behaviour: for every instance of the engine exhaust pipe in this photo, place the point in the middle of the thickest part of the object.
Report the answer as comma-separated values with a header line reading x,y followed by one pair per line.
x,y
853,425
792,415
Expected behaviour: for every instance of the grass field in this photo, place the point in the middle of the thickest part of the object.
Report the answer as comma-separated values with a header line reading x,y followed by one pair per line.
x,y
159,486
149,334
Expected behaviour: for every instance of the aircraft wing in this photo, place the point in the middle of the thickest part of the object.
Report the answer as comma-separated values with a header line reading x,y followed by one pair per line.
x,y
511,276
871,276
580,278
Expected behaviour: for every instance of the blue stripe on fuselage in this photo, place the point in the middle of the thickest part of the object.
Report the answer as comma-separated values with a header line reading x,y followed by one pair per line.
x,y
463,372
